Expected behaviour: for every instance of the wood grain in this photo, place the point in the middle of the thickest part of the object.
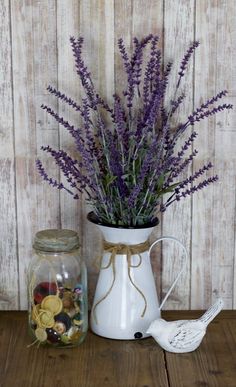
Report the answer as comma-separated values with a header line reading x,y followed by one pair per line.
x,y
37,204
223,253
97,361
177,219
46,129
213,222
9,290
35,52
213,364
68,25
102,362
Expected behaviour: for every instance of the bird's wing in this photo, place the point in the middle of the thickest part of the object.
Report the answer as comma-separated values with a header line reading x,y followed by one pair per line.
x,y
186,334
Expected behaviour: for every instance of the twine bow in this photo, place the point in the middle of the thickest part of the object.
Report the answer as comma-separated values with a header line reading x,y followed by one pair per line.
x,y
128,250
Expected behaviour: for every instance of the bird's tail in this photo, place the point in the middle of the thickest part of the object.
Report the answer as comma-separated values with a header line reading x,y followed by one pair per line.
x,y
212,312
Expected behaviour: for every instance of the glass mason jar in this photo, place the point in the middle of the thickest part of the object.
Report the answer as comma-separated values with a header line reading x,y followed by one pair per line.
x,y
57,290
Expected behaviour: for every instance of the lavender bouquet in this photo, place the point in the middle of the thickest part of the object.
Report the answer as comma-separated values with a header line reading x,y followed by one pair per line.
x,y
128,165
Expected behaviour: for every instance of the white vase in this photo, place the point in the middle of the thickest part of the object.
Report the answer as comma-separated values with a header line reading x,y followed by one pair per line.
x,y
125,301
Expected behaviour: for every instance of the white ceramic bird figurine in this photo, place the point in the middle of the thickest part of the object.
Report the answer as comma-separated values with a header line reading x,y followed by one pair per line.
x,y
183,335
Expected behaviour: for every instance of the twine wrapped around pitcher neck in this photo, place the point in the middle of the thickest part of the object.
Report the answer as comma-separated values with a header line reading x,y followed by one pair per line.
x,y
127,250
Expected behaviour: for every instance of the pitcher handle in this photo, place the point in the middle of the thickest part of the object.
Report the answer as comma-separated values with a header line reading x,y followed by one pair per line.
x,y
183,265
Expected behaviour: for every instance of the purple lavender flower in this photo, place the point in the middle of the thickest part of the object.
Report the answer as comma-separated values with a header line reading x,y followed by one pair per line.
x,y
64,98
196,188
196,117
51,181
176,103
128,164
185,60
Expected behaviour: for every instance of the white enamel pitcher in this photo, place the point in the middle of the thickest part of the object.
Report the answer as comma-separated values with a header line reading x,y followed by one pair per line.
x,y
125,301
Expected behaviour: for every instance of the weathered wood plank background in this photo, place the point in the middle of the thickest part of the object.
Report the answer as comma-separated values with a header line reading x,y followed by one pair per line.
x,y
35,52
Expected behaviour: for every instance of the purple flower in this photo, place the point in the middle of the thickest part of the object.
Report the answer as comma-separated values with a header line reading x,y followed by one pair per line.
x,y
198,116
51,181
129,157
64,98
185,60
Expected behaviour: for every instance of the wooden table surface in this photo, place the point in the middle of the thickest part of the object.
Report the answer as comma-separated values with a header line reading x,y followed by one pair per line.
x,y
110,363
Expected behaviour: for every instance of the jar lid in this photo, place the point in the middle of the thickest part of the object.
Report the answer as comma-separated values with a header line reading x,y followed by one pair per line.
x,y
56,240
